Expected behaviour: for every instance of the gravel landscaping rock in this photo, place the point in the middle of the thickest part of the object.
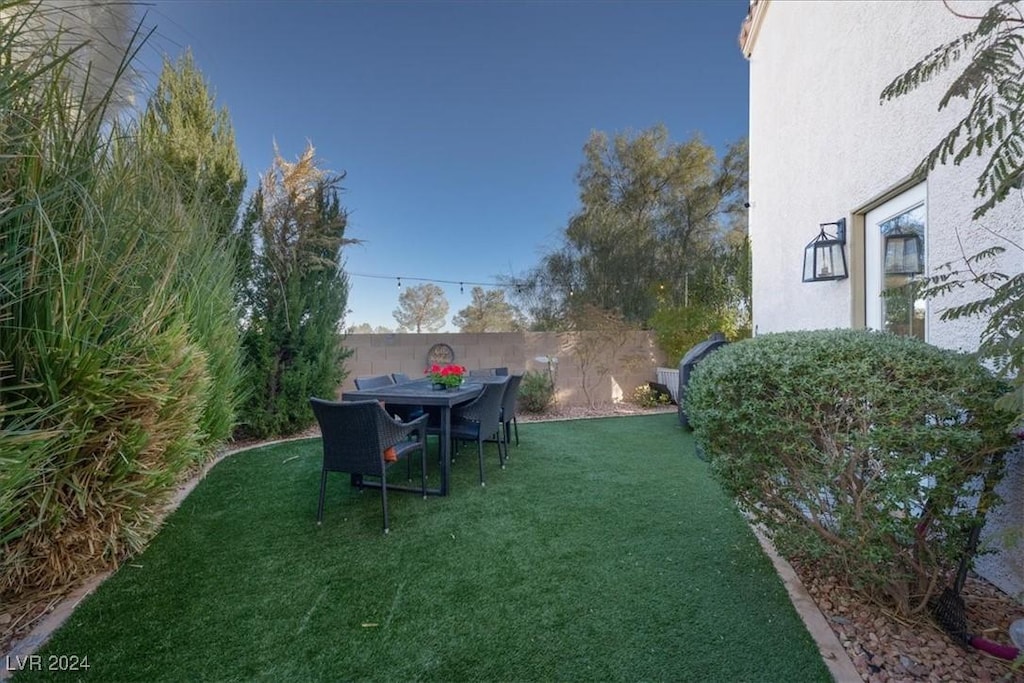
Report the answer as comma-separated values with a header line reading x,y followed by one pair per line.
x,y
886,649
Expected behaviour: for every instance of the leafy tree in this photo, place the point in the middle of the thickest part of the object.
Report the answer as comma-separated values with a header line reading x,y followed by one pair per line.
x,y
488,312
422,307
653,214
722,304
993,82
367,328
294,226
197,142
678,328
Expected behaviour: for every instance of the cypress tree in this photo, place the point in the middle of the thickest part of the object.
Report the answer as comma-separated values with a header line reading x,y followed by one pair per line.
x,y
197,143
295,295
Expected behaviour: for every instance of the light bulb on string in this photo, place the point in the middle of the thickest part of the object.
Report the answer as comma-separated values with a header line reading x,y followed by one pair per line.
x,y
519,286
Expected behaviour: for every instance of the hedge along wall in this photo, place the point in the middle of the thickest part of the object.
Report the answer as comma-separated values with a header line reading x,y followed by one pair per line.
x,y
593,367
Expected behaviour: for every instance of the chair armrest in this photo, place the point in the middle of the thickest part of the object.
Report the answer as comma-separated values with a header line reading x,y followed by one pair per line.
x,y
392,431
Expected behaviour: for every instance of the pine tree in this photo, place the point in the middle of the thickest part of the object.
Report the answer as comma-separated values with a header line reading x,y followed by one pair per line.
x,y
488,312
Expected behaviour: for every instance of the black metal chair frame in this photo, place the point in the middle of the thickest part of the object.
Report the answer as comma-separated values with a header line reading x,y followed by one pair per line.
x,y
355,436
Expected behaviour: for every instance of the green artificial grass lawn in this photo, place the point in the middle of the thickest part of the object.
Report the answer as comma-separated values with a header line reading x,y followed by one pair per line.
x,y
604,552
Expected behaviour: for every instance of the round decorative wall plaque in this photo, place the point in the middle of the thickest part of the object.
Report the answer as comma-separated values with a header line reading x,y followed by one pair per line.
x,y
441,354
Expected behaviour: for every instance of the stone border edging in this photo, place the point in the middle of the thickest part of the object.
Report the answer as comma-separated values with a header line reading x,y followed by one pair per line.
x,y
832,651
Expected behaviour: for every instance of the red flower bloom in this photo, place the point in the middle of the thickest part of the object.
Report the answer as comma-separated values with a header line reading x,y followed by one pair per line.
x,y
450,375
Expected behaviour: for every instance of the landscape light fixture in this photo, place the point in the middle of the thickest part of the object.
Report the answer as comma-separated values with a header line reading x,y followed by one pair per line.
x,y
825,257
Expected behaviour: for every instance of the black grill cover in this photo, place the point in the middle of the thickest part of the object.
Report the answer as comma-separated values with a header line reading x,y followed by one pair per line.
x,y
695,355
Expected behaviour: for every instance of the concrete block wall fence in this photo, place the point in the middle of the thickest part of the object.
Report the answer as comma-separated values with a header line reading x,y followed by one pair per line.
x,y
607,372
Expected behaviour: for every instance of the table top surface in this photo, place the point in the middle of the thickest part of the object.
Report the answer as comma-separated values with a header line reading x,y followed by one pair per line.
x,y
422,392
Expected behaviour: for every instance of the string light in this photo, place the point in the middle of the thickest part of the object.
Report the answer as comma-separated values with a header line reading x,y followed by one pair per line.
x,y
461,283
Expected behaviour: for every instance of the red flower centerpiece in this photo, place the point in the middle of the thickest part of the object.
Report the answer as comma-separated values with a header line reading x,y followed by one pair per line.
x,y
448,376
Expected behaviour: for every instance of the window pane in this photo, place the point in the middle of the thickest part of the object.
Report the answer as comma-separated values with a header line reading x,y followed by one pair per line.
x,y
903,309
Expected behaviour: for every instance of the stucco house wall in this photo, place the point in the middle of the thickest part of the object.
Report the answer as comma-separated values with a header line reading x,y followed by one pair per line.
x,y
823,147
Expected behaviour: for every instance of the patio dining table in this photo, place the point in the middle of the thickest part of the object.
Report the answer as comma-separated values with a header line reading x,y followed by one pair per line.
x,y
422,393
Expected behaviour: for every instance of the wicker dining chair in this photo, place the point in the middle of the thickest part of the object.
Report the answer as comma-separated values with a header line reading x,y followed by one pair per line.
x,y
374,382
355,436
479,420
508,409
406,413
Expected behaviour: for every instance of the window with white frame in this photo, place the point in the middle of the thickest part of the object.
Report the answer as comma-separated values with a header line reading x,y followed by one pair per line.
x,y
895,264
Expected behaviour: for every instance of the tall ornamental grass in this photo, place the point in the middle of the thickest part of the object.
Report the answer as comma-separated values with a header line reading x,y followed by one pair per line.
x,y
118,354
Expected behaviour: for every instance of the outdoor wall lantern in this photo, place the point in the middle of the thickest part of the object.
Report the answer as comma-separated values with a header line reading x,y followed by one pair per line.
x,y
904,254
824,257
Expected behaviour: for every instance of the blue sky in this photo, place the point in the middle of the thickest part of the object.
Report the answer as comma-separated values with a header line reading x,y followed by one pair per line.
x,y
460,124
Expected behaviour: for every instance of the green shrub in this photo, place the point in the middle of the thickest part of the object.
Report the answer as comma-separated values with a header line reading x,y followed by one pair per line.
x,y
678,329
646,397
855,449
536,392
